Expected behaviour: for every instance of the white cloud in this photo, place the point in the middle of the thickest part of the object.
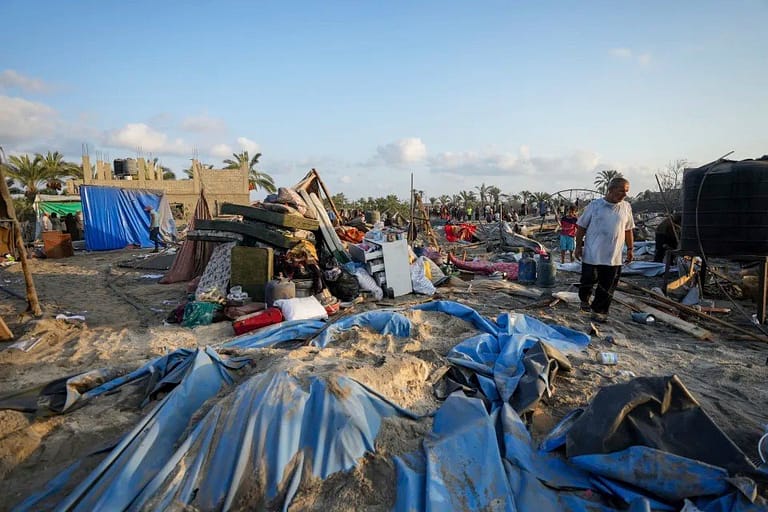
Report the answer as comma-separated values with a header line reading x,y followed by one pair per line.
x,y
625,53
248,145
548,173
644,58
22,119
622,53
221,150
346,179
10,79
203,124
144,138
403,151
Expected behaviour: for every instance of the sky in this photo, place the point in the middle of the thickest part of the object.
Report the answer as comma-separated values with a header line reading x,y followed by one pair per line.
x,y
523,95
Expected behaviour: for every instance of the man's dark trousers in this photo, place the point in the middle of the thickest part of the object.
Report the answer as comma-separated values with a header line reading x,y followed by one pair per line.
x,y
606,277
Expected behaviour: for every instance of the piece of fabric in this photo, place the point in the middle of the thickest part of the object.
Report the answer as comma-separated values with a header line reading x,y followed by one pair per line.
x,y
606,224
115,218
606,278
193,256
216,276
302,308
199,313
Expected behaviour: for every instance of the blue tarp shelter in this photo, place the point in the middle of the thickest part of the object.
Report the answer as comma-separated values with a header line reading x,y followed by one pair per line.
x,y
115,218
259,443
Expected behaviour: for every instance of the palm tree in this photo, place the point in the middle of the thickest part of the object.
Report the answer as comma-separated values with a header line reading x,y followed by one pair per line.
x,y
29,173
445,199
57,168
494,193
525,195
603,178
168,174
482,189
256,178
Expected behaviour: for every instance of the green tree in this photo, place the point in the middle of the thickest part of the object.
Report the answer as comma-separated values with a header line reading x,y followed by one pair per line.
x,y
482,190
468,197
256,178
603,178
54,165
168,174
29,173
445,200
494,194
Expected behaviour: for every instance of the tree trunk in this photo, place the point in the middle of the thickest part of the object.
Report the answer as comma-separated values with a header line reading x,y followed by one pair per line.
x,y
5,196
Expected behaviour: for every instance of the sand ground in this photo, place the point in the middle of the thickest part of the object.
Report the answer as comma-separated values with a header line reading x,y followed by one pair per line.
x,y
125,308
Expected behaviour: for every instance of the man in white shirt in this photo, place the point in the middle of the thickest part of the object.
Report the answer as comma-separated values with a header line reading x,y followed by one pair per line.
x,y
154,226
603,228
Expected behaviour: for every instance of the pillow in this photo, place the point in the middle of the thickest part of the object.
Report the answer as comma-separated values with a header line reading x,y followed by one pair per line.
x,y
302,308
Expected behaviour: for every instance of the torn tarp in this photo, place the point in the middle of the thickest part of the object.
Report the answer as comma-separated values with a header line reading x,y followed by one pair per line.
x,y
643,268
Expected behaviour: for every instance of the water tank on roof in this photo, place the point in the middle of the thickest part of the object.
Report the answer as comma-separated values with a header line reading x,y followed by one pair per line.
x,y
725,209
120,166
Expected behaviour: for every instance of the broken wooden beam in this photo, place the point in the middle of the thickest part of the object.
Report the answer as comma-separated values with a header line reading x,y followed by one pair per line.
x,y
661,316
5,332
694,312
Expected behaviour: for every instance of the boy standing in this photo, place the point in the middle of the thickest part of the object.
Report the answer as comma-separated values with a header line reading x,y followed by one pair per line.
x,y
568,234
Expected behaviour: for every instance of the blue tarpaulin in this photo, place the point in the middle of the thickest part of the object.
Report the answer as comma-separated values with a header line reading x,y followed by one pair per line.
x,y
273,432
115,218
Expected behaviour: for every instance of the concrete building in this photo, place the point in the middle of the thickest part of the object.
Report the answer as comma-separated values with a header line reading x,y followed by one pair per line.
x,y
220,185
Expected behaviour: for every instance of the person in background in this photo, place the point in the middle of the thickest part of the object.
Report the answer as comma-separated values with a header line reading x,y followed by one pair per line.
x,y
601,231
47,224
666,236
154,227
80,225
71,225
55,222
568,234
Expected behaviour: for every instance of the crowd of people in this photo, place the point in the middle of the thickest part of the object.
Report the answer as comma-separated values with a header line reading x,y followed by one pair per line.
x,y
72,224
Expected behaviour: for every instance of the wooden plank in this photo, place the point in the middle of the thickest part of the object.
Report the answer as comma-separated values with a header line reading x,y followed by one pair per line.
x,y
5,332
323,226
284,220
693,312
260,232
324,216
661,316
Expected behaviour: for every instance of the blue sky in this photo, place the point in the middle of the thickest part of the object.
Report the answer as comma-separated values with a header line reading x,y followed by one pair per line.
x,y
523,95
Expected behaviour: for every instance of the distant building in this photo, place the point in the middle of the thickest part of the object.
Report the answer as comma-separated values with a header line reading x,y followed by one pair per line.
x,y
220,185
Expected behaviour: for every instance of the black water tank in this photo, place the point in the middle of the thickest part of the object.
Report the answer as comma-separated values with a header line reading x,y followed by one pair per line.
x,y
121,167
729,201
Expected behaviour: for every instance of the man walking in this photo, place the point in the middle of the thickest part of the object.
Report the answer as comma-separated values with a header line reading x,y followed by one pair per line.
x,y
604,227
154,226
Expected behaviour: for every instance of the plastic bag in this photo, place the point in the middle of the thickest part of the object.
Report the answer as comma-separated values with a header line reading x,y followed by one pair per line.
x,y
345,286
419,280
199,313
367,283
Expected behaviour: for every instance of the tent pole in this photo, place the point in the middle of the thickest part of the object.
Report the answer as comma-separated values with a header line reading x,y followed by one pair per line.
x,y
33,304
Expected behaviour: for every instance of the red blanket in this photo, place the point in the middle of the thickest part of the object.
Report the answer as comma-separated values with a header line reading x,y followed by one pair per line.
x,y
456,232
485,267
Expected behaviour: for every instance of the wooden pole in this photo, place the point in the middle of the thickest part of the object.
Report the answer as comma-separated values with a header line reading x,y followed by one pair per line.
x,y
33,305
327,195
691,311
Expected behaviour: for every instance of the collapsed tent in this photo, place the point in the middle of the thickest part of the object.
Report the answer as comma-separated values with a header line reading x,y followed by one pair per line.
x,y
193,256
115,218
258,444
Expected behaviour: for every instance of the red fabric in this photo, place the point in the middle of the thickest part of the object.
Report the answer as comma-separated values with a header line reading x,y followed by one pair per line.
x,y
568,226
255,321
456,232
485,267
193,256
